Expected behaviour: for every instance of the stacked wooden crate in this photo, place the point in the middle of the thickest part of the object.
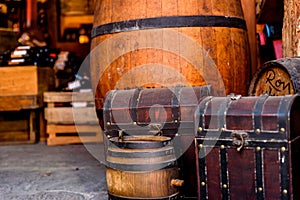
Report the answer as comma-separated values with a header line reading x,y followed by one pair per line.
x,y
71,118
21,116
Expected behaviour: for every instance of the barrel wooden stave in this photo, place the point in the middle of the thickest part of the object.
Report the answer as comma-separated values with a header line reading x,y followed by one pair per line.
x,y
141,185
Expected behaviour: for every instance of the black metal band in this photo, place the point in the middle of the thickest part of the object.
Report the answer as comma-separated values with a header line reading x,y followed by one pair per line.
x,y
172,197
284,173
199,115
134,105
259,175
167,151
223,110
175,104
107,107
258,110
139,144
202,174
169,22
224,174
282,113
142,167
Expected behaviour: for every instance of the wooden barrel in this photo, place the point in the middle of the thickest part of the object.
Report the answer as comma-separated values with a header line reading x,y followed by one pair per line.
x,y
277,77
141,167
164,43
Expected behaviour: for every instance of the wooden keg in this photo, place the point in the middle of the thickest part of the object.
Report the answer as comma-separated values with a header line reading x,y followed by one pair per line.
x,y
141,167
277,77
164,43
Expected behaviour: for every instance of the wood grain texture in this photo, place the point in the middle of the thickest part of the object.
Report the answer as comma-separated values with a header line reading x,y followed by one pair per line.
x,y
155,184
153,59
18,127
27,80
290,31
71,134
277,77
143,170
19,102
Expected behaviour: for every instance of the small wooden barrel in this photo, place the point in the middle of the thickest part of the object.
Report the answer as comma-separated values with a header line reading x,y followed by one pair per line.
x,y
277,77
141,167
166,43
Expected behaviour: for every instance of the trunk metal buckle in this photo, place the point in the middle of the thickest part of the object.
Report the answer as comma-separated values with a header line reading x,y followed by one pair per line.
x,y
239,139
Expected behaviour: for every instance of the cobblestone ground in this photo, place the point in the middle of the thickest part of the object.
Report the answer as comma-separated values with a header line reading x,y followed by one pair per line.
x,y
29,172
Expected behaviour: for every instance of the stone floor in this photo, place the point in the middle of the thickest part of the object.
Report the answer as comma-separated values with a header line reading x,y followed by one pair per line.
x,y
37,171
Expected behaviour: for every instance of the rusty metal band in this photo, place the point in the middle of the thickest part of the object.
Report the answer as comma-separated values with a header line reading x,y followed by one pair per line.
x,y
258,110
169,22
224,174
259,175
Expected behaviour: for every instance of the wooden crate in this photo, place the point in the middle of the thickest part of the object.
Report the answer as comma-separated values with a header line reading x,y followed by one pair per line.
x,y
25,80
18,127
67,124
21,90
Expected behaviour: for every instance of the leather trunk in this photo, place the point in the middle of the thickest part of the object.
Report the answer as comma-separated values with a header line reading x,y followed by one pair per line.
x,y
248,147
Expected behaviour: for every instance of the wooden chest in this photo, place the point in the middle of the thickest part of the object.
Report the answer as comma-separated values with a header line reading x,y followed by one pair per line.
x,y
248,147
161,111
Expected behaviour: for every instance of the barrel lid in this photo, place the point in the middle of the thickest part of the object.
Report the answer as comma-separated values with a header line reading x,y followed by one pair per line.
x,y
277,77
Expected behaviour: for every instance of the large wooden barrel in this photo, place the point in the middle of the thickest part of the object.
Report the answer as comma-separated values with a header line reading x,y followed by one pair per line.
x,y
142,167
277,77
164,43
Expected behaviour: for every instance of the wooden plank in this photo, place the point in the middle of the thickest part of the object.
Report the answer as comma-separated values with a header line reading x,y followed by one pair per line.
x,y
17,125
20,129
14,136
25,80
13,79
19,102
249,15
55,139
291,29
68,97
69,115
